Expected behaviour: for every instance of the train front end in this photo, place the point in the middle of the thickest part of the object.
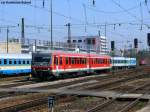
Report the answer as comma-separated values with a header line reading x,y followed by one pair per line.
x,y
42,65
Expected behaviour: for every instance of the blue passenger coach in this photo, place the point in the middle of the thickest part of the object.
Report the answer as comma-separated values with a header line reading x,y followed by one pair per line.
x,y
11,64
123,62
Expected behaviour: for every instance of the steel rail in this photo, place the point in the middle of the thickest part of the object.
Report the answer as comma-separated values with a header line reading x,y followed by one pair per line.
x,y
130,105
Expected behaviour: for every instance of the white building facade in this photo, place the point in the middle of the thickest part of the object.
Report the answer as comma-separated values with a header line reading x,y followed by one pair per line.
x,y
97,44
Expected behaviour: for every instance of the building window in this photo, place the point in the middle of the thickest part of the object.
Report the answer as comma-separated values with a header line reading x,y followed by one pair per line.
x,y
79,41
68,41
74,41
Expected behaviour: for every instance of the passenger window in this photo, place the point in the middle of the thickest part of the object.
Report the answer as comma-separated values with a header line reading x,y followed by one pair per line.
x,y
72,60
66,60
69,61
19,61
28,62
60,61
15,62
10,61
85,61
56,61
0,61
5,61
24,62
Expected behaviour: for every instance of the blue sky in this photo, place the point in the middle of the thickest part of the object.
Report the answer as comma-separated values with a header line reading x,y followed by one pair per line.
x,y
123,19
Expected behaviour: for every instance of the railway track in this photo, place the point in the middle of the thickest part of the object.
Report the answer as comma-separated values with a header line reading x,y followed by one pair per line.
x,y
36,102
25,105
113,83
125,108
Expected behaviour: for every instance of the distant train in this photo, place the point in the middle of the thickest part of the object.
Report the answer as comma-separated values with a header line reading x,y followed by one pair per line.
x,y
47,65
13,64
123,62
142,62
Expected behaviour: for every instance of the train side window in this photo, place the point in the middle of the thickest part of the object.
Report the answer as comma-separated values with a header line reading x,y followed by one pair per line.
x,y
5,61
69,61
60,61
75,60
78,61
85,61
82,60
72,60
10,61
55,60
15,61
19,61
28,62
24,62
0,61
66,60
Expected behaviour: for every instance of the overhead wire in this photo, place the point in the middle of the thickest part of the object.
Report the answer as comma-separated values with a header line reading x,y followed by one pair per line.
x,y
128,12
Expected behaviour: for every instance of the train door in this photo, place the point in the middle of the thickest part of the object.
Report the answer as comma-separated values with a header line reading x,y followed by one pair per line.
x,y
61,68
56,65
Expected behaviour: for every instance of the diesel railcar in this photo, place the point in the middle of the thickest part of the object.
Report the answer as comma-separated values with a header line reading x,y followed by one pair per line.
x,y
45,65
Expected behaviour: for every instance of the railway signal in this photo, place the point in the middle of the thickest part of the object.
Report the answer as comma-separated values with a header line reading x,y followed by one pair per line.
x,y
148,39
112,45
135,43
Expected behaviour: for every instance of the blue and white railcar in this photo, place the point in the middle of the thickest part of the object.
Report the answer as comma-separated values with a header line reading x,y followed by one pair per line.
x,y
11,64
123,62
132,62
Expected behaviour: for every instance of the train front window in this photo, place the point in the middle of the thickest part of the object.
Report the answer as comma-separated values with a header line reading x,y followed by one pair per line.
x,y
41,59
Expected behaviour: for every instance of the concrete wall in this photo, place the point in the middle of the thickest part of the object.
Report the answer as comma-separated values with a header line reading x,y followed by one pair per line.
x,y
12,48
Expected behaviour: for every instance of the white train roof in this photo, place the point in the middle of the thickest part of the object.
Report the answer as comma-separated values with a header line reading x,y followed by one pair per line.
x,y
15,56
122,58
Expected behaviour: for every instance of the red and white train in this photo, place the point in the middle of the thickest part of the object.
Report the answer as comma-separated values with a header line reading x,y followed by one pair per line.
x,y
54,64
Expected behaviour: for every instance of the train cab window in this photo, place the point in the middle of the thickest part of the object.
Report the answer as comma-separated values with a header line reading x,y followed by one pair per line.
x,y
5,61
60,62
67,60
